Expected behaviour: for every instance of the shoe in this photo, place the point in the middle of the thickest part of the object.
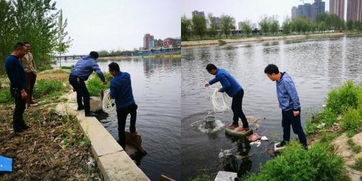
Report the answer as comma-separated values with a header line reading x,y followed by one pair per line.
x,y
232,126
281,144
80,108
242,129
33,102
90,114
24,127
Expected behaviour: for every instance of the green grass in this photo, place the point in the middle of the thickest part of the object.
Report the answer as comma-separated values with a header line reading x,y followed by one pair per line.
x,y
351,122
5,96
354,147
358,164
297,164
45,89
95,85
344,106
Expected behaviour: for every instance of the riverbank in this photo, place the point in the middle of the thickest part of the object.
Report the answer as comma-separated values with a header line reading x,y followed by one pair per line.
x,y
335,146
207,43
53,147
173,56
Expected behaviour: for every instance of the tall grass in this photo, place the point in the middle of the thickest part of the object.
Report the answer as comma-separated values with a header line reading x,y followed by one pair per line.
x,y
296,164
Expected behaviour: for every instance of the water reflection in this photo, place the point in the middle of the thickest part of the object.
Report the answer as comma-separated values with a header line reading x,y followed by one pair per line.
x,y
316,66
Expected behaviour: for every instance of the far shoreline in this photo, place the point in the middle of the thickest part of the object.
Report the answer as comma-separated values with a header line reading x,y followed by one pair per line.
x,y
173,55
211,43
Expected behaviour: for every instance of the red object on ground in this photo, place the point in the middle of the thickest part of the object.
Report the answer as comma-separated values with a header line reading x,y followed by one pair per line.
x,y
254,137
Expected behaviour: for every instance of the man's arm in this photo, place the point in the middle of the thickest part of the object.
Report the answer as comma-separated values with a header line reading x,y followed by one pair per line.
x,y
96,68
214,80
292,91
225,83
113,91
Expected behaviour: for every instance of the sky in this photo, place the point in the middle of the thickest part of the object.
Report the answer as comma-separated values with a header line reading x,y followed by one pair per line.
x,y
118,24
241,10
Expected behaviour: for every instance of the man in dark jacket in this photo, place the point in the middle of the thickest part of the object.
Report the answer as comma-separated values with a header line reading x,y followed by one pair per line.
x,y
234,90
16,75
121,91
79,74
289,104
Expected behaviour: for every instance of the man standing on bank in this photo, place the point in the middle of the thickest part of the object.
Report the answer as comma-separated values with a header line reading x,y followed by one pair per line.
x,y
289,103
30,70
234,90
121,91
16,75
79,74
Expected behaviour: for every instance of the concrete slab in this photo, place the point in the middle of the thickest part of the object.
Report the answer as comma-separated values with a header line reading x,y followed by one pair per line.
x,y
118,166
95,104
102,141
226,176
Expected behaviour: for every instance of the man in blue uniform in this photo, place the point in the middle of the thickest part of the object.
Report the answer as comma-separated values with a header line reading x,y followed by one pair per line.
x,y
121,91
288,103
234,90
79,74
16,75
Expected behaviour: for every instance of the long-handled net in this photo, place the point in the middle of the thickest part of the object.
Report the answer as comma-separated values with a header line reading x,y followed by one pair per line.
x,y
218,100
108,104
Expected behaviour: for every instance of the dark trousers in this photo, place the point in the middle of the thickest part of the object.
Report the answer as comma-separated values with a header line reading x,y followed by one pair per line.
x,y
289,119
122,117
18,119
237,108
30,82
82,92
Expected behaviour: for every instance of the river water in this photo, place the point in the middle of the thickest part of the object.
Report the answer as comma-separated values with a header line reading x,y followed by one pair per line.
x,y
316,66
156,84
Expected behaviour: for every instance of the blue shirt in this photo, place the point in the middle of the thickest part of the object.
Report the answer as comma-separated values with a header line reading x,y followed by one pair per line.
x,y
84,68
15,72
229,84
121,90
287,93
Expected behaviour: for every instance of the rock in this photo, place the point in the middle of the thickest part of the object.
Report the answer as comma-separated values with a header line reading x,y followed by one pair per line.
x,y
225,176
95,104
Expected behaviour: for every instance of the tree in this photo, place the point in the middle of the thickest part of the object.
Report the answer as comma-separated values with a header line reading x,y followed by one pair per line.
x,y
273,24
7,40
264,25
246,28
214,25
63,40
227,24
199,25
34,21
186,28
286,26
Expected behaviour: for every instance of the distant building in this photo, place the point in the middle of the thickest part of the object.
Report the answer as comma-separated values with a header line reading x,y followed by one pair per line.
x,y
158,43
198,13
294,12
337,7
147,41
318,7
217,21
354,10
172,43
310,11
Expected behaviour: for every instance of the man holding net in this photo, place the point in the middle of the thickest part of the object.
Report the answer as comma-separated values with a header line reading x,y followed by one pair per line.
x,y
232,89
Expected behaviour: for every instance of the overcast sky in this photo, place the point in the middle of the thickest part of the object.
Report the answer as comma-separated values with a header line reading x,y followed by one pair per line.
x,y
118,24
241,10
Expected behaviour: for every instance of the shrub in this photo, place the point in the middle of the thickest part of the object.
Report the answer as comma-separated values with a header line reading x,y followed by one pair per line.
x,y
295,163
47,88
351,122
5,96
354,147
358,164
95,85
340,99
